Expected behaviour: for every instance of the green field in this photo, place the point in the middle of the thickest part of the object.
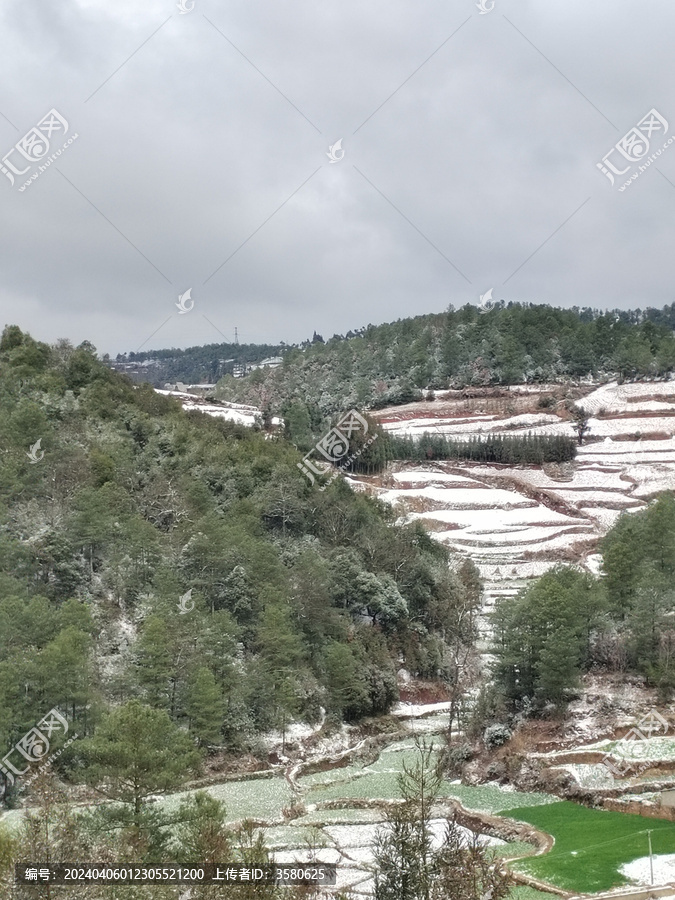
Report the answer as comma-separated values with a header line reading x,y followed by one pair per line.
x,y
261,798
379,780
521,892
590,844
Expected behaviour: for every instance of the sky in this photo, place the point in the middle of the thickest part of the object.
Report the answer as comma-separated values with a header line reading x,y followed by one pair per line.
x,y
161,147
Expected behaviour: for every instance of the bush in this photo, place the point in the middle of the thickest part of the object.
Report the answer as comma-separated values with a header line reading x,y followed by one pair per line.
x,y
496,736
455,758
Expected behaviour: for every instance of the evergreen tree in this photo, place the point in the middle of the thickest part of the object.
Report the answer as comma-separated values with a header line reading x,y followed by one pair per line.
x,y
204,707
409,866
155,652
558,667
347,685
136,752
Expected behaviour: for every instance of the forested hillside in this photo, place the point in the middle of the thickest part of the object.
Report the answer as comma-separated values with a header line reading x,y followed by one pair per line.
x,y
511,344
179,571
569,622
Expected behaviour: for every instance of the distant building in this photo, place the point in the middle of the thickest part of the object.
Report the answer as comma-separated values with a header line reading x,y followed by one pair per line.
x,y
241,369
138,371
200,390
270,363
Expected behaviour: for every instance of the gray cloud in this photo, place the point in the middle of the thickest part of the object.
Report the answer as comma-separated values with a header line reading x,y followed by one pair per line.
x,y
474,162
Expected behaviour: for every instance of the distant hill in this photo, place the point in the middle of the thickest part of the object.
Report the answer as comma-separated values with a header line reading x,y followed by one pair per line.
x,y
506,344
195,365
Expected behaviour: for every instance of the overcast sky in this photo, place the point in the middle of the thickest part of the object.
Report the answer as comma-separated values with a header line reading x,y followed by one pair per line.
x,y
468,161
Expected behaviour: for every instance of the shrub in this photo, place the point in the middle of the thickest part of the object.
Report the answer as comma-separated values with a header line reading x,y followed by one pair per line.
x,y
496,736
455,757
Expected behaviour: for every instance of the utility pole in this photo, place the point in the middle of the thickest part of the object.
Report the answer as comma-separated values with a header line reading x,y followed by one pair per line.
x,y
651,858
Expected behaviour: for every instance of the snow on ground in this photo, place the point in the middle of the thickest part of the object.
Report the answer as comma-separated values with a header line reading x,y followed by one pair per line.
x,y
588,476
516,522
614,397
609,452
231,415
590,776
594,563
295,731
495,518
465,427
424,477
648,748
626,426
474,497
524,539
232,412
639,871
582,498
414,710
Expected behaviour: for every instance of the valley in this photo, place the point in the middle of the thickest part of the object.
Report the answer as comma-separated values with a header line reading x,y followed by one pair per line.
x,y
514,523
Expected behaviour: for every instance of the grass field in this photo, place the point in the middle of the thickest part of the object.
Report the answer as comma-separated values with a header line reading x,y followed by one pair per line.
x,y
590,844
521,892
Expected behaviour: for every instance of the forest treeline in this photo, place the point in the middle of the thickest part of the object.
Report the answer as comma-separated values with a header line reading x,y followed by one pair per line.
x,y
508,344
527,449
369,453
170,574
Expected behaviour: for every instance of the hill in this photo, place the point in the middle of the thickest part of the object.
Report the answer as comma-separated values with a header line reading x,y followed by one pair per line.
x,y
183,562
392,363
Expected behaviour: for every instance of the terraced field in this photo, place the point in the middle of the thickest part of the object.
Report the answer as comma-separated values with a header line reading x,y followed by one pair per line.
x,y
516,522
594,849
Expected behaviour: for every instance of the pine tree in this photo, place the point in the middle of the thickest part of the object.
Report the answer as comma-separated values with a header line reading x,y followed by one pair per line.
x,y
347,686
138,751
558,665
408,864
204,707
154,662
